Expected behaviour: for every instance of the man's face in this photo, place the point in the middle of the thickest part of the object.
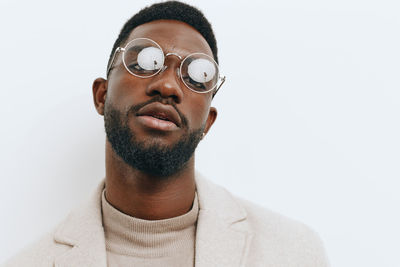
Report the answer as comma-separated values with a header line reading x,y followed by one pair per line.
x,y
136,108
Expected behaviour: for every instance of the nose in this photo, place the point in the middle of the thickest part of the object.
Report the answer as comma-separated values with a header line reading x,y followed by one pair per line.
x,y
167,84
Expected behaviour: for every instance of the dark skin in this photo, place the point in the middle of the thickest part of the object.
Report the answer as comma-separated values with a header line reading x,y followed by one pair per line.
x,y
131,191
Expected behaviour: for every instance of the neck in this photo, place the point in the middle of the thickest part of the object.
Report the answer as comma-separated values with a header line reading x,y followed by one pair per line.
x,y
148,197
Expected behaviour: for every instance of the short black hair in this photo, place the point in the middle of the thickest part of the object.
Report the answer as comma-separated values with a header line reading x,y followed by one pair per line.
x,y
170,10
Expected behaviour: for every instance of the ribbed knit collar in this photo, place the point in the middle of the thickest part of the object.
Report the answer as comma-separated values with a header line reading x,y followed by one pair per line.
x,y
132,236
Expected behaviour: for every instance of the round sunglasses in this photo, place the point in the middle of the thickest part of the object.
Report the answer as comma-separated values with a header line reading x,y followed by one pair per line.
x,y
144,58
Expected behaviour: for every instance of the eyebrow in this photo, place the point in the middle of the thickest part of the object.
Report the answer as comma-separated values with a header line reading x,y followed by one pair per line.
x,y
137,47
182,52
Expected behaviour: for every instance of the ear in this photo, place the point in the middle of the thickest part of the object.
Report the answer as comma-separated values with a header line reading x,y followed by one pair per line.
x,y
99,88
212,116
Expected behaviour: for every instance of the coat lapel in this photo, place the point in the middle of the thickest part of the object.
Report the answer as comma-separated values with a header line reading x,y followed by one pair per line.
x,y
223,235
83,231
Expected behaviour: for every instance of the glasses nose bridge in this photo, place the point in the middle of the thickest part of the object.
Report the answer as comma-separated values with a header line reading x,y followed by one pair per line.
x,y
165,66
173,54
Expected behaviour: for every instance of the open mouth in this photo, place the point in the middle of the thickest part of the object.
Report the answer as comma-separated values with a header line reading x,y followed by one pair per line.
x,y
161,112
159,116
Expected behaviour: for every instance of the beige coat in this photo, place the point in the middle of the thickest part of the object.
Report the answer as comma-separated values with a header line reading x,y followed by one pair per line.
x,y
230,232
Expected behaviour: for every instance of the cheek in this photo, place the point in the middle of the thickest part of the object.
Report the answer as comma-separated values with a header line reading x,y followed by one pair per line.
x,y
199,107
124,90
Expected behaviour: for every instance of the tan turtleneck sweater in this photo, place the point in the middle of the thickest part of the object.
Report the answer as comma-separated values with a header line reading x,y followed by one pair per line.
x,y
136,242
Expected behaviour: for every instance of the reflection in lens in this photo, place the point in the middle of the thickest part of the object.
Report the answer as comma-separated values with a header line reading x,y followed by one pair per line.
x,y
150,58
144,58
201,70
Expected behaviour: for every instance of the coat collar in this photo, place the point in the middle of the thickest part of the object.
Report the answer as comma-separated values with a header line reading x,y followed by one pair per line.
x,y
222,236
83,230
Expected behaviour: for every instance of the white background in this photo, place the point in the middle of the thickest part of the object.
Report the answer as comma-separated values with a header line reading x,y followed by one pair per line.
x,y
308,119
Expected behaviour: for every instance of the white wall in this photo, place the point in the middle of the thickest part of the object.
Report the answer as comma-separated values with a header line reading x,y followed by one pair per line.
x,y
308,118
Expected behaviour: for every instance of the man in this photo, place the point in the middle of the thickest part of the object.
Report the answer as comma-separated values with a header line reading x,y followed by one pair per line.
x,y
153,209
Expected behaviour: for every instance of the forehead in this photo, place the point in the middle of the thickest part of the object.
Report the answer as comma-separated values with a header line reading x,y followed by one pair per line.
x,y
173,36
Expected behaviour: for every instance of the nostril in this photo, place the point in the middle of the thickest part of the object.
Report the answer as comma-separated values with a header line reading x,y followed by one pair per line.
x,y
164,91
175,98
154,92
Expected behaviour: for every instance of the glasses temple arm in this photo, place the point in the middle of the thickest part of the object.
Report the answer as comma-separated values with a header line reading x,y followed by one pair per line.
x,y
219,86
119,49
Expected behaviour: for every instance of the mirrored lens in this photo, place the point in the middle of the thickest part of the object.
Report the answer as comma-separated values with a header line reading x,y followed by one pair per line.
x,y
143,57
200,72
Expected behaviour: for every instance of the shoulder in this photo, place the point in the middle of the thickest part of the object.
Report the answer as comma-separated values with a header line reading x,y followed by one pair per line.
x,y
280,237
274,237
42,252
82,224
265,220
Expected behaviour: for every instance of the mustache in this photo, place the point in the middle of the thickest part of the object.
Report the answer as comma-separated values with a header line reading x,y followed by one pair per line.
x,y
135,109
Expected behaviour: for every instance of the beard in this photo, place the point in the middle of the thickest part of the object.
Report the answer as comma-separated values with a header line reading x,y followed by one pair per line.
x,y
151,158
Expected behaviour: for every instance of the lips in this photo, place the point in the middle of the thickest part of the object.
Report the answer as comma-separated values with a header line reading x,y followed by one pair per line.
x,y
161,112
